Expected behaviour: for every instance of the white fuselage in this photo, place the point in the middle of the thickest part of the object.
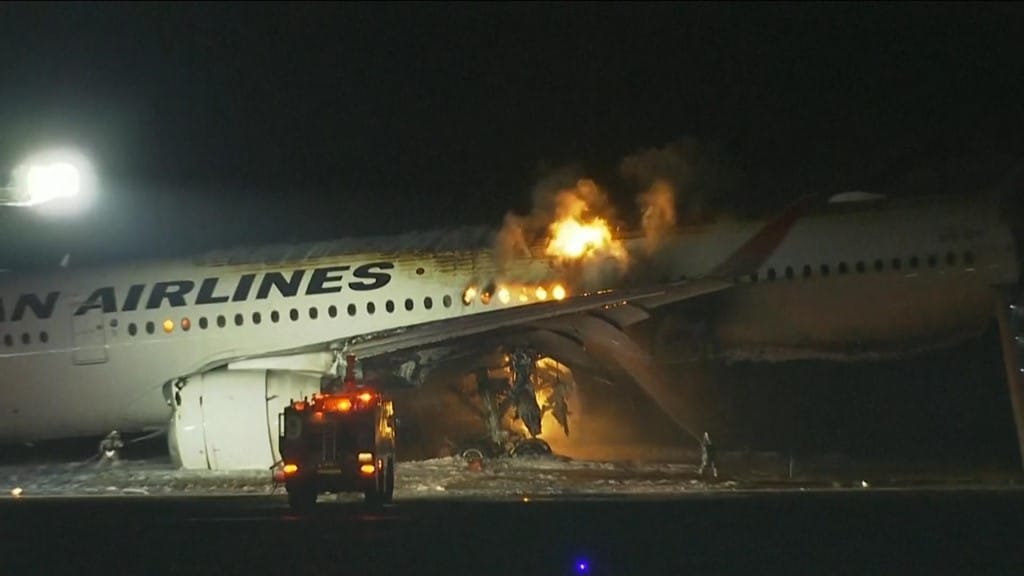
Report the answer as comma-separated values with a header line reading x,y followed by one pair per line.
x,y
83,352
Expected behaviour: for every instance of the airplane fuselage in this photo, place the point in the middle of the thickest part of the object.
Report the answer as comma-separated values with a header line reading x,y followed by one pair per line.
x,y
84,352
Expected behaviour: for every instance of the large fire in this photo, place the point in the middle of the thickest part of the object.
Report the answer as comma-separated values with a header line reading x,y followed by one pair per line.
x,y
574,235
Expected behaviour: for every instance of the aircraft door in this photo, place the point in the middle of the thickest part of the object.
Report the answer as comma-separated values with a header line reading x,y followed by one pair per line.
x,y
88,339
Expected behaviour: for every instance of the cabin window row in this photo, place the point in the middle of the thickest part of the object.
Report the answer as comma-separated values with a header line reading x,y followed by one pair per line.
x,y
256,318
861,267
26,338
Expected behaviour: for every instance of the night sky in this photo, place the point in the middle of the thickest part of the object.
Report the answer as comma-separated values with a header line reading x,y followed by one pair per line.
x,y
222,125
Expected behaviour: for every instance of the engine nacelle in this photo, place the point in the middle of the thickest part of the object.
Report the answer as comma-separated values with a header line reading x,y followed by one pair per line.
x,y
228,419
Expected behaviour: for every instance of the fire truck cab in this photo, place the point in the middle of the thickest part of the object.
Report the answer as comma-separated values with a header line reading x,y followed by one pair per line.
x,y
338,442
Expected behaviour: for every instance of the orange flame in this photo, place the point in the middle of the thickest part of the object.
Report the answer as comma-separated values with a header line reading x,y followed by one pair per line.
x,y
573,235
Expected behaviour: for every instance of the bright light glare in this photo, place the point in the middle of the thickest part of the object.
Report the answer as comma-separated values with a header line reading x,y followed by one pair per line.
x,y
48,182
16,492
558,292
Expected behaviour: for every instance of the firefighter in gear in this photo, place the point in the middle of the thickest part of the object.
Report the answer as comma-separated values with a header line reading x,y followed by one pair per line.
x,y
110,448
707,456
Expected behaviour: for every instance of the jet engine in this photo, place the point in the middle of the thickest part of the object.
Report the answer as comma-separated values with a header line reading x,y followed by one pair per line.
x,y
228,419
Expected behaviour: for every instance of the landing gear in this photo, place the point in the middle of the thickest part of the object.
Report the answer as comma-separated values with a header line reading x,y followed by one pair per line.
x,y
531,447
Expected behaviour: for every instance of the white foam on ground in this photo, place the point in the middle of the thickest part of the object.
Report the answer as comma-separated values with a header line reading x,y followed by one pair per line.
x,y
440,477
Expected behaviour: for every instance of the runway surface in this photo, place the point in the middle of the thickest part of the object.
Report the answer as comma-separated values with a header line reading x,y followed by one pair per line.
x,y
698,532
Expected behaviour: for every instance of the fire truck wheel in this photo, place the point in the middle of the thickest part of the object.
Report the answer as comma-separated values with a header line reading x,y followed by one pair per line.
x,y
375,496
389,482
301,498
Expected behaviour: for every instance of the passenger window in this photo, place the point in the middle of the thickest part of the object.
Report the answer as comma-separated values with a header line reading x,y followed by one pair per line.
x,y
8,341
113,323
842,267
789,272
239,320
897,263
753,277
274,316
771,274
932,260
428,303
968,258
389,306
25,338
408,304
221,322
202,324
950,259
351,309
913,262
293,314
807,271
44,337
150,327
332,311
313,312
132,331
256,318
824,269
860,266
447,301
879,265
371,307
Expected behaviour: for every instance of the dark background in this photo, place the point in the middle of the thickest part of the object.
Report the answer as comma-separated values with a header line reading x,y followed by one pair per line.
x,y
215,125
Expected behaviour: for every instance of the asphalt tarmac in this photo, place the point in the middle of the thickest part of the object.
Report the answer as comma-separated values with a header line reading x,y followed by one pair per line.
x,y
784,532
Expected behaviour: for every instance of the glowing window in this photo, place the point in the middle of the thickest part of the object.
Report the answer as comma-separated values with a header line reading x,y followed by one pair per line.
x,y
257,318
293,314
186,324
351,309
447,301
332,311
408,304
389,306
313,312
150,327
221,321
428,303
168,326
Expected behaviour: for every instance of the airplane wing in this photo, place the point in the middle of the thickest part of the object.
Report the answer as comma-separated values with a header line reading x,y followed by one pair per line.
x,y
620,307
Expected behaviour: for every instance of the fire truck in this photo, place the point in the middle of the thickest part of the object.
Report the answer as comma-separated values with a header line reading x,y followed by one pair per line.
x,y
339,441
